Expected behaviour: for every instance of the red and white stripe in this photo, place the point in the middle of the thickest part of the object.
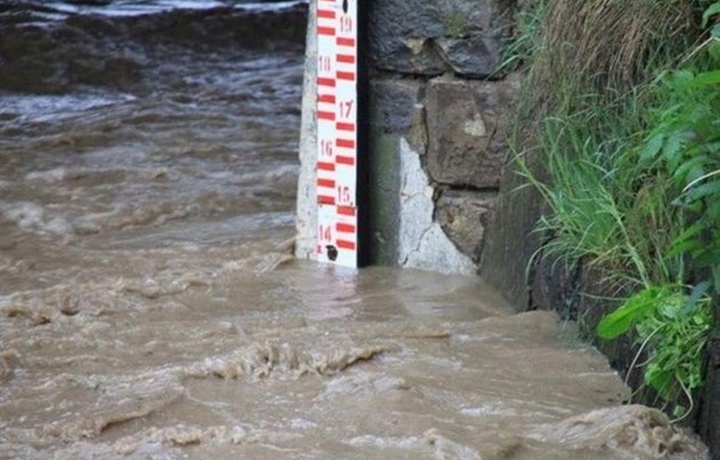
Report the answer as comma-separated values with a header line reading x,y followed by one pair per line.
x,y
336,181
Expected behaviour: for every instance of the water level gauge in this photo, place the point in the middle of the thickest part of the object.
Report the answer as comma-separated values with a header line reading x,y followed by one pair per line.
x,y
337,132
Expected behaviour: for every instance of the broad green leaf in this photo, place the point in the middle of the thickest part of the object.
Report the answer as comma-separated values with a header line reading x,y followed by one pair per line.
x,y
709,190
634,309
672,150
704,176
703,79
699,290
709,12
659,378
691,169
686,241
714,48
678,80
652,147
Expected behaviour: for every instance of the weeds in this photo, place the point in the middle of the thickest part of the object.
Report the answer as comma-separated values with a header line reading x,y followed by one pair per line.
x,y
674,327
626,125
522,46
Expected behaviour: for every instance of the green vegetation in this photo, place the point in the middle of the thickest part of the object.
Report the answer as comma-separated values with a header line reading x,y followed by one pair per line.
x,y
621,136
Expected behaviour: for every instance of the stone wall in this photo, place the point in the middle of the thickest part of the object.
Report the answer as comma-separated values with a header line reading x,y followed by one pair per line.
x,y
439,115
439,111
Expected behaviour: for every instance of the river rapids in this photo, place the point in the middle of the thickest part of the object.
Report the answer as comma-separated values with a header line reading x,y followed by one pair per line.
x,y
150,307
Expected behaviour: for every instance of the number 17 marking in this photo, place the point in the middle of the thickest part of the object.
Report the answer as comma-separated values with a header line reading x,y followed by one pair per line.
x,y
345,108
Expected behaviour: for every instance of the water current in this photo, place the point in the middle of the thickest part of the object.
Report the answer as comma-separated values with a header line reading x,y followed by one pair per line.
x,y
149,304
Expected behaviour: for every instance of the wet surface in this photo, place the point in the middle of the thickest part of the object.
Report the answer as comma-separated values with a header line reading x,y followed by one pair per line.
x,y
150,308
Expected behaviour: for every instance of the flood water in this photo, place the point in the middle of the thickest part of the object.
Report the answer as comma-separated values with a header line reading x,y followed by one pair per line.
x,y
149,304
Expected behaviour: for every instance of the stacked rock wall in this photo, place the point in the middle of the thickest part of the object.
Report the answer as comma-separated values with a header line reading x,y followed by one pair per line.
x,y
439,116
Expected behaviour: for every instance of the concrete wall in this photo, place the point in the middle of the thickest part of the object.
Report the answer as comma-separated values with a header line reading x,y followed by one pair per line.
x,y
439,112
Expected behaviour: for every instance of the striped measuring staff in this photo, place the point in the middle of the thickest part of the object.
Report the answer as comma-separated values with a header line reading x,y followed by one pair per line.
x,y
337,132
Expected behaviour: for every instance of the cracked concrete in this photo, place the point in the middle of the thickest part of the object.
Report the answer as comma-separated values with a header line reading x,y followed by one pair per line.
x,y
422,243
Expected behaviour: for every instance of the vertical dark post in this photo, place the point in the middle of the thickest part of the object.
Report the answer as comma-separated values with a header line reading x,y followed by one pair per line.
x,y
364,151
709,415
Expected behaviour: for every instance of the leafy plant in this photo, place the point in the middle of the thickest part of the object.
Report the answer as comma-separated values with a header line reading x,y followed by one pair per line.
x,y
677,333
630,173
686,141
636,309
674,327
684,147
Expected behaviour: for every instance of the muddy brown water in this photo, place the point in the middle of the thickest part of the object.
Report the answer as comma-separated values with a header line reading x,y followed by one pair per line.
x,y
150,308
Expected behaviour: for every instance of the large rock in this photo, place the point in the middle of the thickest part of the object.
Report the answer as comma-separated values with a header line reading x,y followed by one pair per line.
x,y
471,57
392,104
430,37
468,125
464,216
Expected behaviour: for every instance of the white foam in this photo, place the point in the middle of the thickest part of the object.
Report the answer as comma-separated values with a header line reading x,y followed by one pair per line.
x,y
30,216
129,8
57,175
489,410
25,214
270,6
410,442
43,108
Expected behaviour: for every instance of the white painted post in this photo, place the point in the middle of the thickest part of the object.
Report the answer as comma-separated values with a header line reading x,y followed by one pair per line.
x,y
327,219
337,132
306,213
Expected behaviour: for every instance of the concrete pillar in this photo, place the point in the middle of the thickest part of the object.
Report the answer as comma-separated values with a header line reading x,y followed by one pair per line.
x,y
306,214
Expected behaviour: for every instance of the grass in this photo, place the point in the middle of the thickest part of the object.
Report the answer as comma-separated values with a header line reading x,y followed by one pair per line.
x,y
608,46
618,136
602,208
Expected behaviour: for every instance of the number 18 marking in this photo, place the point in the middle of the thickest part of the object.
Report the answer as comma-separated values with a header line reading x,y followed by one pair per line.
x,y
324,63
